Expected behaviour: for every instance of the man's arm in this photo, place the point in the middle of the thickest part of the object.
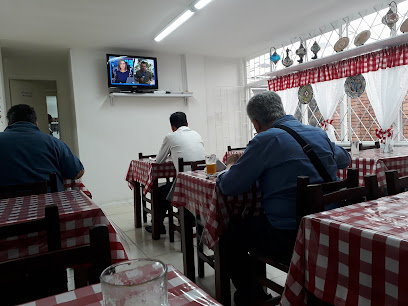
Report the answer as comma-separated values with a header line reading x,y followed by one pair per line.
x,y
341,157
164,151
239,178
70,165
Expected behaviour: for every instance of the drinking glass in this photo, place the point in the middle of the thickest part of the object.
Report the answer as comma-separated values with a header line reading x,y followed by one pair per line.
x,y
211,165
135,282
355,148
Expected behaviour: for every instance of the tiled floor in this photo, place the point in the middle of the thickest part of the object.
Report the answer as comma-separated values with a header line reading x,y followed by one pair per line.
x,y
139,244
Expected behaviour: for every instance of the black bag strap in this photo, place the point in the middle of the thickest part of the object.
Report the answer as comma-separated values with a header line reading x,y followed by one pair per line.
x,y
309,152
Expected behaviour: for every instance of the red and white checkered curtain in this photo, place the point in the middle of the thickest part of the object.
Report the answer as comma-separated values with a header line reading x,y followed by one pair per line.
x,y
387,58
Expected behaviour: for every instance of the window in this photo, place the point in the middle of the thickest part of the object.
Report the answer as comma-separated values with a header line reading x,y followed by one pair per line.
x,y
354,119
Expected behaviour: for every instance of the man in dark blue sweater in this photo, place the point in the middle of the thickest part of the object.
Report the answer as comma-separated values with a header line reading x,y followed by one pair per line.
x,y
28,155
275,159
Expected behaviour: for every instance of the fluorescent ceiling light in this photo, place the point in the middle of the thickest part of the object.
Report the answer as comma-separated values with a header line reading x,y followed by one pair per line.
x,y
201,3
174,25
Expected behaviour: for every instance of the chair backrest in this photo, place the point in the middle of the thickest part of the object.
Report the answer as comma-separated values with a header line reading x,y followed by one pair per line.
x,y
35,277
313,198
375,146
21,190
141,156
50,224
395,183
195,165
235,149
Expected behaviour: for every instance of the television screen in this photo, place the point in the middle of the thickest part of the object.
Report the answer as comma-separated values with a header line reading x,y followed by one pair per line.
x,y
132,73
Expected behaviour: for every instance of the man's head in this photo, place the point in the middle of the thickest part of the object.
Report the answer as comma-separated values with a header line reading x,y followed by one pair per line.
x,y
263,109
143,66
21,112
178,119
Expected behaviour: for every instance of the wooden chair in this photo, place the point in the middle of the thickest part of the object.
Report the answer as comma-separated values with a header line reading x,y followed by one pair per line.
x,y
201,256
34,277
375,146
234,149
195,165
145,199
312,199
50,224
395,183
12,191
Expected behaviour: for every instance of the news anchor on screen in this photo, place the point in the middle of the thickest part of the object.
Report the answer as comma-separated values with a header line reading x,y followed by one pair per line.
x,y
122,73
144,76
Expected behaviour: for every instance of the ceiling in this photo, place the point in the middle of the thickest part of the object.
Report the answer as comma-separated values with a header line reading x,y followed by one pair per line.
x,y
227,28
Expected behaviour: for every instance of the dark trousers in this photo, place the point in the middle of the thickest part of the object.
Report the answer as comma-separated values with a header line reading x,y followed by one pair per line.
x,y
255,234
163,203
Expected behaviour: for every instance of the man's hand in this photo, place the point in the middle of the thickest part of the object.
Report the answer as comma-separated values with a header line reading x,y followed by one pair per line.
x,y
80,174
232,159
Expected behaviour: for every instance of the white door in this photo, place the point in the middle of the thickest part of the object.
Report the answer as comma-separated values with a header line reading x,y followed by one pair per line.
x,y
32,93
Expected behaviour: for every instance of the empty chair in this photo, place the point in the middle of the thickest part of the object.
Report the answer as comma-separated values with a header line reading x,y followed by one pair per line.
x,y
313,198
173,212
39,276
50,224
145,199
235,149
375,146
12,191
395,183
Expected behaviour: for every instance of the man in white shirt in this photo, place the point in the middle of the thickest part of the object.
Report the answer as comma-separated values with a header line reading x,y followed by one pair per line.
x,y
182,142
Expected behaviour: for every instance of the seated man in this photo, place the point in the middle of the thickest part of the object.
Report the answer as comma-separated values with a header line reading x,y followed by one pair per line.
x,y
28,155
182,142
275,159
144,76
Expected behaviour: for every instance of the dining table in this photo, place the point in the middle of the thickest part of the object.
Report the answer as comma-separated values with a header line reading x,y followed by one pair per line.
x,y
77,212
146,172
375,161
196,193
354,255
181,292
76,184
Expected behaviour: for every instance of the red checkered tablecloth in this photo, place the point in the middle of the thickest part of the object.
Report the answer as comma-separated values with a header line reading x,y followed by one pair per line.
x,y
374,162
181,292
200,196
355,255
77,213
145,171
229,153
76,185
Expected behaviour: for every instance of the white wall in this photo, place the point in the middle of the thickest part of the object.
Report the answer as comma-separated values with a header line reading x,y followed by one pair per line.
x,y
110,136
26,66
3,108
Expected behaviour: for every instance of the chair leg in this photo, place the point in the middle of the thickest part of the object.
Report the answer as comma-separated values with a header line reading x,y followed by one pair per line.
x,y
171,223
200,249
143,205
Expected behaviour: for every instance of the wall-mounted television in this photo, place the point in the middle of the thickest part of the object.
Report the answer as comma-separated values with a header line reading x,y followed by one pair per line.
x,y
132,73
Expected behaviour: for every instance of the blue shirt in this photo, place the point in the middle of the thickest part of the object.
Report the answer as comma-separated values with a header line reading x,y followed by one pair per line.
x,y
28,155
276,159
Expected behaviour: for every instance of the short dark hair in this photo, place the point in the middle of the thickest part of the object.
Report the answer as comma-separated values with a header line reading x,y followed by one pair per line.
x,y
178,119
21,112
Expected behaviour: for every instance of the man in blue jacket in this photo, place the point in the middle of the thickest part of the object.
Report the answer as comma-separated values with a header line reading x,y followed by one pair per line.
x,y
28,155
275,159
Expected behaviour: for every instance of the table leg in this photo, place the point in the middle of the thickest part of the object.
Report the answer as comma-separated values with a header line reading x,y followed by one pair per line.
x,y
156,220
187,246
137,203
222,279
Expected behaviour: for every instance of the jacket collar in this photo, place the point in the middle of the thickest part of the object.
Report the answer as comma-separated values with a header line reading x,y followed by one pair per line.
x,y
22,124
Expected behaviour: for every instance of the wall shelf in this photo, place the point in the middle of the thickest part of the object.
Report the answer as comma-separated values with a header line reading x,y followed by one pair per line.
x,y
375,46
185,95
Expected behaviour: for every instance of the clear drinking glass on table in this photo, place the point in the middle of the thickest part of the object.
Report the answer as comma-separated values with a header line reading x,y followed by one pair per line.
x,y
355,148
211,165
135,282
